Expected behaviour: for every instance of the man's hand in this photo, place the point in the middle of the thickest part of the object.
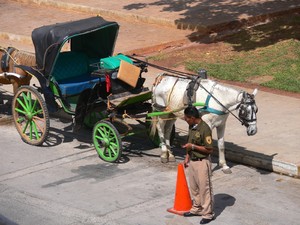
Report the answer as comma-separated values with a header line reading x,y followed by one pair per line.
x,y
187,146
186,161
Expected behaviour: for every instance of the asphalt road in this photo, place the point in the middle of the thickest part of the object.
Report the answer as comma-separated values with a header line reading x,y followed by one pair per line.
x,y
64,182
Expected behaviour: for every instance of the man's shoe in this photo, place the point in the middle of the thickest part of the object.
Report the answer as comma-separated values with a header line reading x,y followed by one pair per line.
x,y
189,214
205,221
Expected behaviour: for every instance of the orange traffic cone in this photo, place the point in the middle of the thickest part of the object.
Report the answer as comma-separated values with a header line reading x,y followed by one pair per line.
x,y
183,202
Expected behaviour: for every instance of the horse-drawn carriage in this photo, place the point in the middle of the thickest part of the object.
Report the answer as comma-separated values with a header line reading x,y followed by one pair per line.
x,y
77,72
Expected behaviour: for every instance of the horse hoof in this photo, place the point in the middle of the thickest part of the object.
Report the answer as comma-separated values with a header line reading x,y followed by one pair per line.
x,y
227,171
172,159
164,160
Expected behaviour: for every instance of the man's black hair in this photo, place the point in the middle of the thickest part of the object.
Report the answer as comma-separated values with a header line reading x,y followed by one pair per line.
x,y
192,111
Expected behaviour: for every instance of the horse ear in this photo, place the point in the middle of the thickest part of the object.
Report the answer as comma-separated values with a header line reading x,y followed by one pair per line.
x,y
254,92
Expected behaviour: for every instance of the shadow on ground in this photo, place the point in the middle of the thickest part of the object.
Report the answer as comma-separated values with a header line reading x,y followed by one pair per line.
x,y
255,29
5,221
222,201
5,103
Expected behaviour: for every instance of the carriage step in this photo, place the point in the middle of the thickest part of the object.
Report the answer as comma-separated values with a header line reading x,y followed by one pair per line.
x,y
127,98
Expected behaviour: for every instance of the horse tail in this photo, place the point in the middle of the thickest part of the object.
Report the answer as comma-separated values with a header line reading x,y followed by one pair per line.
x,y
153,126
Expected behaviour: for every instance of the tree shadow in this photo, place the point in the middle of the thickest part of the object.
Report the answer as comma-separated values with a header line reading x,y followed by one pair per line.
x,y
262,35
98,172
216,21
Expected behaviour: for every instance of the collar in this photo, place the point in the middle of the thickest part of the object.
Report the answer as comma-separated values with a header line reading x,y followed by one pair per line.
x,y
194,127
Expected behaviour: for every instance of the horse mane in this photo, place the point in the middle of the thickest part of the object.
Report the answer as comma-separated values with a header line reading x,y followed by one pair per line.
x,y
21,57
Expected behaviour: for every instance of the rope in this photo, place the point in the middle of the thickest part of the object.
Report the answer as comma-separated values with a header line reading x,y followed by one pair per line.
x,y
127,116
183,75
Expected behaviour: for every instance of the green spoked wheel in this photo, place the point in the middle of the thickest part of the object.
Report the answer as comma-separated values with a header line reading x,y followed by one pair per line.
x,y
107,141
30,115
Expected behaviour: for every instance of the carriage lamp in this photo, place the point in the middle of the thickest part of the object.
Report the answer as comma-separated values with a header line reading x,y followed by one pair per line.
x,y
114,75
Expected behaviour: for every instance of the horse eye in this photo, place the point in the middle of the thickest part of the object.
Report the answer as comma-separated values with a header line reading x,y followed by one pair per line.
x,y
243,112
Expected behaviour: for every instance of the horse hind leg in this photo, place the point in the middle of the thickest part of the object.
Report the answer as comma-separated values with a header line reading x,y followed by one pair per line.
x,y
164,128
221,147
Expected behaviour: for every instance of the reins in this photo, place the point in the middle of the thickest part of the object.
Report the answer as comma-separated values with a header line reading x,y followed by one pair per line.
x,y
186,75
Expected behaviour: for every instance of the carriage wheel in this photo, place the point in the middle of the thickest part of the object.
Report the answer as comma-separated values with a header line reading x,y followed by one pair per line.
x,y
30,115
107,141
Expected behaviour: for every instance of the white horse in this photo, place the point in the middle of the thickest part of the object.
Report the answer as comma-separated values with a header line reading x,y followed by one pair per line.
x,y
169,94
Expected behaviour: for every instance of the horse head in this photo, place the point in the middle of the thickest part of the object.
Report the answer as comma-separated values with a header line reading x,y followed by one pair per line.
x,y
11,57
247,111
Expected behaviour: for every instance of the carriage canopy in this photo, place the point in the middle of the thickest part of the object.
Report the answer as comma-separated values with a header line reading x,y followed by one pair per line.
x,y
94,36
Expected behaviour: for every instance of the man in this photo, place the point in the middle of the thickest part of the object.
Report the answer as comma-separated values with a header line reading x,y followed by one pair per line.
x,y
199,147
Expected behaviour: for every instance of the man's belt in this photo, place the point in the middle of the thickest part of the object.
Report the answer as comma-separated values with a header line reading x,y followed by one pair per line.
x,y
198,159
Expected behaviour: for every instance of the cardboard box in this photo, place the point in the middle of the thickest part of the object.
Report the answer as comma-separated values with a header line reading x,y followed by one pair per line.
x,y
128,73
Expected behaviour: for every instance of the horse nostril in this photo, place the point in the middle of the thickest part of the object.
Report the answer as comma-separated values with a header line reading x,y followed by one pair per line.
x,y
253,132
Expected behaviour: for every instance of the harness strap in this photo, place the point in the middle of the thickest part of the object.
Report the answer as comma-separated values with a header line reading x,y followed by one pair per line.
x,y
206,108
192,87
5,59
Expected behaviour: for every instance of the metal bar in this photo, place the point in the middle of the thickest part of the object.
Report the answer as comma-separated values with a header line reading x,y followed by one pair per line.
x,y
11,75
175,110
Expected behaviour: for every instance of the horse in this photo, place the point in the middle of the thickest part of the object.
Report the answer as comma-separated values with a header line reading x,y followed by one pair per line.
x,y
9,72
173,93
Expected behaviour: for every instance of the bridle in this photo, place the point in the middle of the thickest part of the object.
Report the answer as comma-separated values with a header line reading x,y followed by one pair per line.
x,y
247,105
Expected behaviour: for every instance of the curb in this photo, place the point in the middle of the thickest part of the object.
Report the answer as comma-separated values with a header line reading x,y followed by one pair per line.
x,y
254,159
234,24
146,50
262,161
16,37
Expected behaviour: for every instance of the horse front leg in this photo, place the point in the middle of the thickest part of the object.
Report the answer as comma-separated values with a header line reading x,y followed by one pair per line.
x,y
15,85
221,147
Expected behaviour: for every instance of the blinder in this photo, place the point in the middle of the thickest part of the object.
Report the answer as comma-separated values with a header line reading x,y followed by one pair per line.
x,y
5,59
247,109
